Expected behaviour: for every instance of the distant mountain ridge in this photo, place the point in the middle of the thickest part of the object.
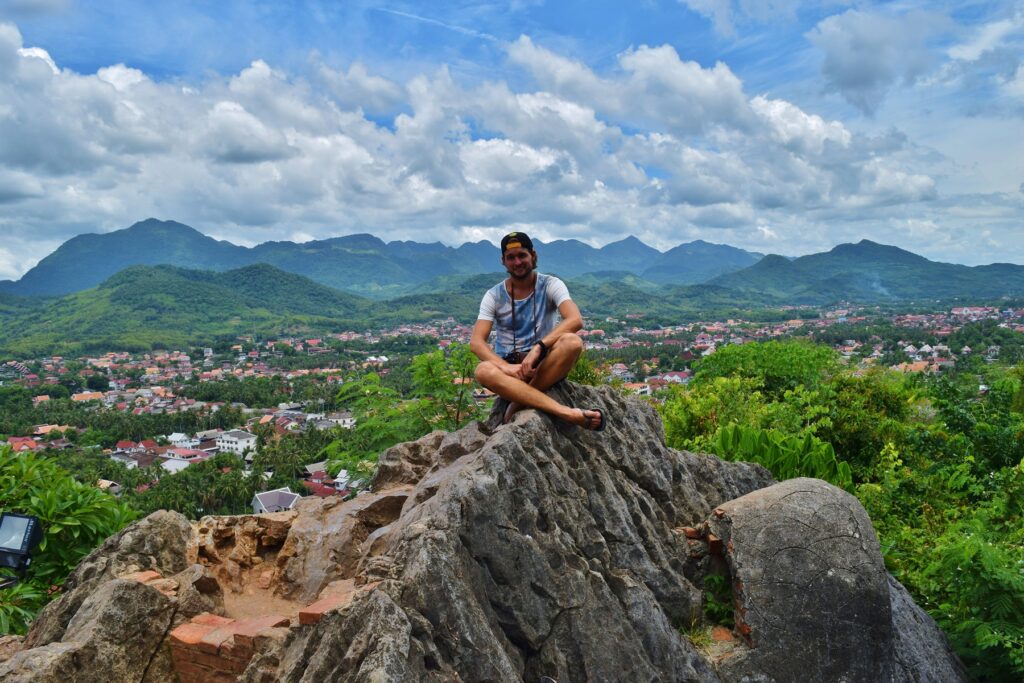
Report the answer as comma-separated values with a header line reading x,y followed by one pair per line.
x,y
360,263
871,272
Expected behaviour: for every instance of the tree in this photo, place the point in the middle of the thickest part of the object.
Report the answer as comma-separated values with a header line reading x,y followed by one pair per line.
x,y
778,365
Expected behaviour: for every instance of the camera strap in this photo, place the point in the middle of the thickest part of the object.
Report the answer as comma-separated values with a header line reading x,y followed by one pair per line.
x,y
533,311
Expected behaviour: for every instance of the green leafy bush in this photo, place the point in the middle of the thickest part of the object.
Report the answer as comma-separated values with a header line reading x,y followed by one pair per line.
x,y
786,457
75,518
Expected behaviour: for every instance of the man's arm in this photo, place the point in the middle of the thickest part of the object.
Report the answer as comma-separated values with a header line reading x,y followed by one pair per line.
x,y
572,321
478,342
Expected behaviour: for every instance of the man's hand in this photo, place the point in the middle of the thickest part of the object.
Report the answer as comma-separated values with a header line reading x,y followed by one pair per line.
x,y
513,370
530,362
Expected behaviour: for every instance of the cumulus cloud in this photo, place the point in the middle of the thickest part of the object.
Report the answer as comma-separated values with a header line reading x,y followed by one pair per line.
x,y
655,89
867,53
660,147
358,89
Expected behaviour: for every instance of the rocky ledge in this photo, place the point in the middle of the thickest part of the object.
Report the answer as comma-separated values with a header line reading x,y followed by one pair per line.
x,y
501,553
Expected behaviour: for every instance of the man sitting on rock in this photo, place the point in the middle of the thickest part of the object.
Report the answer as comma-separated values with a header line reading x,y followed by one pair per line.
x,y
532,350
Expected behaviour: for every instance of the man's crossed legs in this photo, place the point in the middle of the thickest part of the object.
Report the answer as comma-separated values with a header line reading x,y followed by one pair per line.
x,y
562,355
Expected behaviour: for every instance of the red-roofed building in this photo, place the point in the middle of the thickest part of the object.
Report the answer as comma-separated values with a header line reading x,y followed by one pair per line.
x,y
20,444
319,490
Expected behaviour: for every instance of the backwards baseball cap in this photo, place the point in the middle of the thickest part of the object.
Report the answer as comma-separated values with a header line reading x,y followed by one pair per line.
x,y
516,240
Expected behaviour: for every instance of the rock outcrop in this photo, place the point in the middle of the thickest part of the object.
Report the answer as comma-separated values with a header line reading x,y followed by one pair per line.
x,y
505,553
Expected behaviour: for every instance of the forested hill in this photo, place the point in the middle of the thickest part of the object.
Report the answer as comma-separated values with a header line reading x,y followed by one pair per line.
x,y
143,307
870,272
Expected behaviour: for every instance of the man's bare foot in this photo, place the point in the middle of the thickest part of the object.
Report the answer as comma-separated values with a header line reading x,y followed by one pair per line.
x,y
589,419
511,410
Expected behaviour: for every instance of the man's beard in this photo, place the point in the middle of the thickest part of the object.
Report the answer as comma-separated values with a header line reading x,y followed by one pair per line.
x,y
528,272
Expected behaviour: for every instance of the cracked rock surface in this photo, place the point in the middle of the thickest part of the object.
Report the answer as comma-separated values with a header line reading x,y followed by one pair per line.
x,y
812,594
513,552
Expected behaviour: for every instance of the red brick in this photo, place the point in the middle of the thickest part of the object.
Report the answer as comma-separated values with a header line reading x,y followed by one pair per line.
x,y
211,642
190,634
690,532
192,673
313,613
143,577
209,661
331,601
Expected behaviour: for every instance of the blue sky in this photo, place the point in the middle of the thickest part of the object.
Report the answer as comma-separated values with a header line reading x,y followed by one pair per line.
x,y
780,126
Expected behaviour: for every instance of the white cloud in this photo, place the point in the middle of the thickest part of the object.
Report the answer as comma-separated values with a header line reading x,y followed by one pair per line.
x,y
233,135
987,38
358,89
868,53
660,147
723,14
119,76
792,126
39,53
655,89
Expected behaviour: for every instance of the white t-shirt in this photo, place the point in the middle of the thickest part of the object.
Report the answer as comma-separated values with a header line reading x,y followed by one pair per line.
x,y
535,316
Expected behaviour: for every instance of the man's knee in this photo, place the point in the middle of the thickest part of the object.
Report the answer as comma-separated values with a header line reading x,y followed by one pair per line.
x,y
571,342
484,371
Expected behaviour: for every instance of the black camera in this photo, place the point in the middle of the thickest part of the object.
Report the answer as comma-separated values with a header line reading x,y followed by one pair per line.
x,y
514,357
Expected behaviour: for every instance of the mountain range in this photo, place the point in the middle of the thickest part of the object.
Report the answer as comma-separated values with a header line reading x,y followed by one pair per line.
x,y
361,264
146,299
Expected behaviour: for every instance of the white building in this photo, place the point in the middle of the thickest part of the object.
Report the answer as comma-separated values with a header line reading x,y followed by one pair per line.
x,y
179,440
343,419
177,459
274,501
236,441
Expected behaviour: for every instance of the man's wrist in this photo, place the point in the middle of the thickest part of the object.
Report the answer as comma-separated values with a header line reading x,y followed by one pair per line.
x,y
543,346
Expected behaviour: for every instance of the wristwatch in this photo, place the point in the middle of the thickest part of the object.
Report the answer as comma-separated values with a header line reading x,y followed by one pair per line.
x,y
543,346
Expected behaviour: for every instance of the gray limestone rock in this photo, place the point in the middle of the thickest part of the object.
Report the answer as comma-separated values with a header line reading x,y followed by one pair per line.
x,y
527,551
113,636
159,542
923,653
813,599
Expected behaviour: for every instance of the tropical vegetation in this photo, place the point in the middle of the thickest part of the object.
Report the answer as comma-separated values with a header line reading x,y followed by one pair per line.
x,y
936,461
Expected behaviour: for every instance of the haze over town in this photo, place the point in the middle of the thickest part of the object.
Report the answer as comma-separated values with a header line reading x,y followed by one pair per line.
x,y
787,127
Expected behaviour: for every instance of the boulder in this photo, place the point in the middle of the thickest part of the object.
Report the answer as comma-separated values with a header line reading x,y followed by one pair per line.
x,y
526,550
160,542
114,636
813,600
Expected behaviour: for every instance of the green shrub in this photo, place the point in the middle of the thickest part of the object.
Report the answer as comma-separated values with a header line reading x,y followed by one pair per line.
x,y
75,518
786,457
